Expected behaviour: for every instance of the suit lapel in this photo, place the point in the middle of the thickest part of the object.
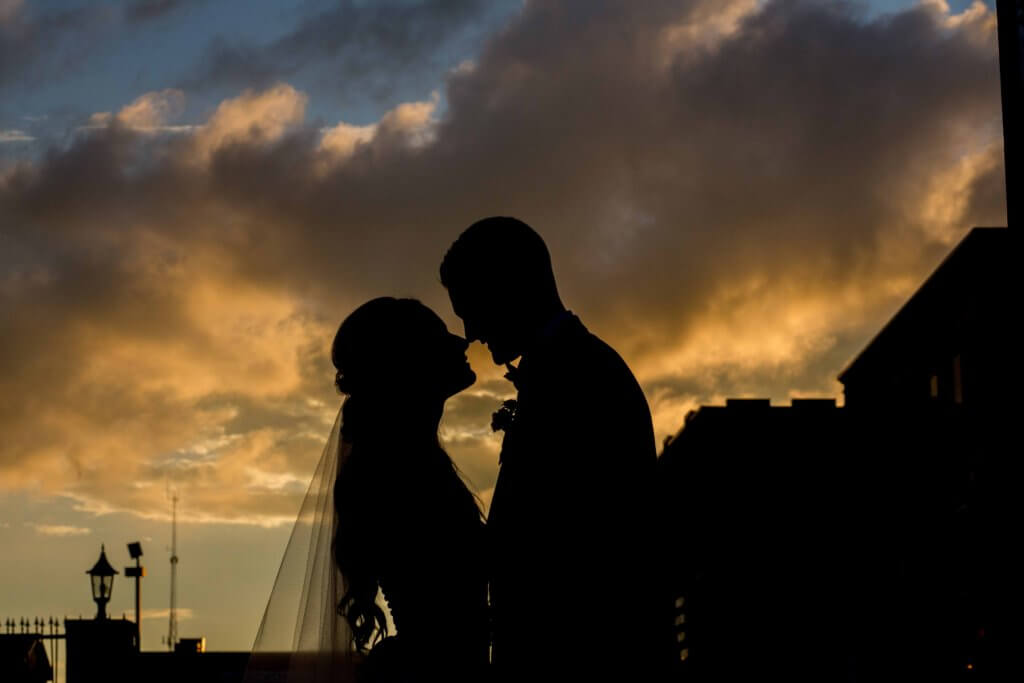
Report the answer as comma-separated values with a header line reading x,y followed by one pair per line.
x,y
516,445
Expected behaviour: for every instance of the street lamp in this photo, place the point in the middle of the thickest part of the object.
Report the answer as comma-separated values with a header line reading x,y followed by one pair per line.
x,y
137,572
102,575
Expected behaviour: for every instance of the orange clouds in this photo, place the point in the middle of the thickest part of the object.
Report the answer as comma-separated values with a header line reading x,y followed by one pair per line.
x,y
61,530
409,125
251,118
153,109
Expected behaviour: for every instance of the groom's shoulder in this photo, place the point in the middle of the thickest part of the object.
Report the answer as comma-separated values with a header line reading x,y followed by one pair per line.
x,y
590,354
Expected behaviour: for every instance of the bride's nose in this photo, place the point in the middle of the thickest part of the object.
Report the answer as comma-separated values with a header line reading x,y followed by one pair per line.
x,y
460,343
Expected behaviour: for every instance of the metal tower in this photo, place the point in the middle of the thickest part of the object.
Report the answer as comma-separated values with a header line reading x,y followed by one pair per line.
x,y
172,628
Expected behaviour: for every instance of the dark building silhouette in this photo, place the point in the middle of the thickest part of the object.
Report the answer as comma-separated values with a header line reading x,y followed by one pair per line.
x,y
954,340
192,667
819,543
100,650
1010,22
875,541
953,349
104,651
23,659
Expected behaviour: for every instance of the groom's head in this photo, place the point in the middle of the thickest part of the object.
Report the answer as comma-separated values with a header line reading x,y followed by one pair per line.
x,y
499,277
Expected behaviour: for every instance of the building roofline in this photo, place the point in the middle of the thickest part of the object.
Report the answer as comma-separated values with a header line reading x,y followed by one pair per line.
x,y
972,236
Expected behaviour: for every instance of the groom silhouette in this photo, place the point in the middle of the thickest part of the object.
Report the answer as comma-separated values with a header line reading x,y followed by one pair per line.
x,y
574,582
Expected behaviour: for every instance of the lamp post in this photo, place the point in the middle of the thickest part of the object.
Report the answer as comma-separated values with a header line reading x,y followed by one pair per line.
x,y
137,572
102,576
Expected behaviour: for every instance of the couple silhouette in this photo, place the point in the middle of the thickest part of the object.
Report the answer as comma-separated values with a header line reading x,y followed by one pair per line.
x,y
562,581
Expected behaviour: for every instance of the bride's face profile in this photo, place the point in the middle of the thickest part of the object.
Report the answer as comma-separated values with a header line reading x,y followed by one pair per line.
x,y
399,347
443,360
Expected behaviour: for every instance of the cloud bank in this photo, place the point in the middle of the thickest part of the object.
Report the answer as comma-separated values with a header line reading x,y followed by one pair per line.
x,y
736,195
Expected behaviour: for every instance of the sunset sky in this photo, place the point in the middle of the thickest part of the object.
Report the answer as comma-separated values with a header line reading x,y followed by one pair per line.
x,y
736,193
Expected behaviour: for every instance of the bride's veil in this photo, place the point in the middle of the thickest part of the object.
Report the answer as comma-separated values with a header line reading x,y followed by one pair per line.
x,y
302,637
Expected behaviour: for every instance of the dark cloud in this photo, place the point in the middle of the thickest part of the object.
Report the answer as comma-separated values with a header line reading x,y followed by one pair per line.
x,y
42,45
148,10
735,196
364,46
36,45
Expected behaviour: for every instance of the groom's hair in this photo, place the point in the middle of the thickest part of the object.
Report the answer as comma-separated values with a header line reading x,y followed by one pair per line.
x,y
502,250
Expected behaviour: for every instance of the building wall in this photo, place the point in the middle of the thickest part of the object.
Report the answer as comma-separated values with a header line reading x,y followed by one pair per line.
x,y
819,543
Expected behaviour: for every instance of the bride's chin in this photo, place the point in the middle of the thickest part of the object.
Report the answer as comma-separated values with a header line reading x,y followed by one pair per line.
x,y
465,380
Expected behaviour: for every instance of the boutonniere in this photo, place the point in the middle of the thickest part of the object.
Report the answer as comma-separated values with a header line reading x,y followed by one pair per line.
x,y
512,375
505,416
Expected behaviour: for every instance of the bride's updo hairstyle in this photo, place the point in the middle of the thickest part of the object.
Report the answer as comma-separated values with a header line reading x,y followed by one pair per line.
x,y
371,344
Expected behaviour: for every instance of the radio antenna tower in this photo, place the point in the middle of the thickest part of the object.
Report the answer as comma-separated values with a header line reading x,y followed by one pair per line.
x,y
172,627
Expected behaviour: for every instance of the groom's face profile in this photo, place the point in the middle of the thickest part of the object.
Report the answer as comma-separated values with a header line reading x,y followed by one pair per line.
x,y
499,278
485,321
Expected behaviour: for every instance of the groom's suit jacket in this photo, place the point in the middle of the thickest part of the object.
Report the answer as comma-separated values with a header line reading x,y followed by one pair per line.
x,y
574,579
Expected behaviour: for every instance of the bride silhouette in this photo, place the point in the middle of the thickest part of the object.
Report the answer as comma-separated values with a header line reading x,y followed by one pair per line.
x,y
388,526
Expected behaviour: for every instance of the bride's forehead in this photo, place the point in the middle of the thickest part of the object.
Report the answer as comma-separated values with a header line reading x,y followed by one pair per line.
x,y
426,319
